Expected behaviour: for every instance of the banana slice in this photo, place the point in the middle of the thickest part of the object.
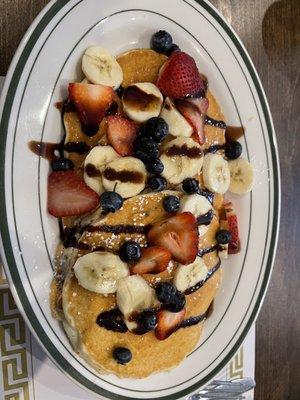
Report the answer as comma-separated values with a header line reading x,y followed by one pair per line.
x,y
241,176
94,164
182,158
100,67
178,125
196,204
133,296
216,175
126,175
187,276
142,101
100,272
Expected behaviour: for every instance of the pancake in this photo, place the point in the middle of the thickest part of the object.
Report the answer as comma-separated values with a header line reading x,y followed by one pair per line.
x,y
149,355
82,307
129,223
140,65
96,344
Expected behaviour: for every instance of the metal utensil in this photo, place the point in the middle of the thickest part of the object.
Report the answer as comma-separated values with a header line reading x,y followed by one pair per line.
x,y
225,390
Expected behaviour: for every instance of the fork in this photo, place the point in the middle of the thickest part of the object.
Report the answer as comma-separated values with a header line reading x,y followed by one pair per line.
x,y
224,390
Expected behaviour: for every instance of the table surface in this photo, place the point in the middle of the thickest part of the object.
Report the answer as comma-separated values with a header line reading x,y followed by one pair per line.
x,y
270,30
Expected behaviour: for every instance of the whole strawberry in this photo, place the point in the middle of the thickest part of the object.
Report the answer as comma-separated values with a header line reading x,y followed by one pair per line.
x,y
180,77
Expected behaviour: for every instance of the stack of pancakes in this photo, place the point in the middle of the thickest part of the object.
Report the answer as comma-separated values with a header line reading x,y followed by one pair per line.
x,y
79,308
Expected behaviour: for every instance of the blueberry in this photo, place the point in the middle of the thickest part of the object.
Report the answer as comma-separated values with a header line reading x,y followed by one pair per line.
x,y
157,183
233,150
112,320
213,148
173,48
177,302
190,185
111,201
165,291
146,146
142,156
161,41
171,204
61,164
122,355
130,252
147,321
156,128
170,297
223,236
155,166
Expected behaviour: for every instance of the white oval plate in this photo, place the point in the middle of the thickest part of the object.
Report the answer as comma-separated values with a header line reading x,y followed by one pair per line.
x,y
47,59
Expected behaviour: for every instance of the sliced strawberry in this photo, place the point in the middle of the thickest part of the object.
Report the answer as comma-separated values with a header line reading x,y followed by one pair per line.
x,y
180,77
167,323
235,242
91,102
69,195
179,235
121,134
154,260
194,111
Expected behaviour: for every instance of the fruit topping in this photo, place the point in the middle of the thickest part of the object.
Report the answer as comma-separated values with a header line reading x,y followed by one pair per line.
x,y
190,185
161,42
130,252
112,320
188,276
178,125
142,101
165,291
121,134
91,102
167,323
179,235
155,166
182,158
171,204
147,321
122,355
110,202
233,150
179,77
153,260
157,183
216,174
235,243
155,128
194,111
170,297
61,164
68,195
223,236
198,205
125,175
147,147
241,176
100,271
99,66
173,48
